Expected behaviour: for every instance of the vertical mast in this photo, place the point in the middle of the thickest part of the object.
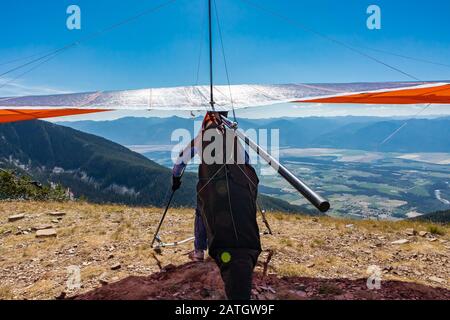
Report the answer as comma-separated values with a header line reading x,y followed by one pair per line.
x,y
211,79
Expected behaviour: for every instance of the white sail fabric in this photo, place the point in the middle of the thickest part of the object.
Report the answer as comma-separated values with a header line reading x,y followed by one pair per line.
x,y
195,98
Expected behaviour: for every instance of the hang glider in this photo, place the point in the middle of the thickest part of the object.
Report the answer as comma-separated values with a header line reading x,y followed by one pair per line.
x,y
196,98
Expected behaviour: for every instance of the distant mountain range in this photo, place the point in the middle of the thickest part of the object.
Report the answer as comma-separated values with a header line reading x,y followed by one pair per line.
x,y
363,133
95,168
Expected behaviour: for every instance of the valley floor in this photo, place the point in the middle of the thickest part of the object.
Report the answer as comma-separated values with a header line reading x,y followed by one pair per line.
x,y
311,257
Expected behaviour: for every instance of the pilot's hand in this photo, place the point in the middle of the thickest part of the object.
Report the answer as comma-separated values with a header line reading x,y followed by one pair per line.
x,y
176,183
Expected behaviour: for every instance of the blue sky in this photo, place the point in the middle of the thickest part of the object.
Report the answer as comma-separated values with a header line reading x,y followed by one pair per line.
x,y
162,48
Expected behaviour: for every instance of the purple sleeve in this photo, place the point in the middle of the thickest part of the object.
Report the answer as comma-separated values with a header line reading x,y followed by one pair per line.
x,y
184,157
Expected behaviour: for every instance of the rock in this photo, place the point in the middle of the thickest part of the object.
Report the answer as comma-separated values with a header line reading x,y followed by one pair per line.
x,y
57,214
310,265
43,227
110,256
103,281
103,276
437,279
61,296
432,239
300,287
116,266
301,294
410,232
55,221
401,241
349,226
423,233
16,217
46,233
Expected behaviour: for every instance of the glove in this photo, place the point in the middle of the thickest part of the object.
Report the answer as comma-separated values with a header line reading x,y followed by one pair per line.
x,y
176,183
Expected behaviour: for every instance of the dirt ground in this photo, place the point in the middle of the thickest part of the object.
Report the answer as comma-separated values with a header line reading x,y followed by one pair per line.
x,y
201,281
43,248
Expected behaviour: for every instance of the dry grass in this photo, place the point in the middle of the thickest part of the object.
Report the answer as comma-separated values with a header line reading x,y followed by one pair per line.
x,y
95,237
437,230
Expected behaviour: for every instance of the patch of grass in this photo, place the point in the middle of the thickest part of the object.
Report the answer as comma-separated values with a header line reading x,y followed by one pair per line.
x,y
119,234
43,285
67,231
436,230
27,252
6,293
91,272
4,229
291,270
317,243
287,242
142,250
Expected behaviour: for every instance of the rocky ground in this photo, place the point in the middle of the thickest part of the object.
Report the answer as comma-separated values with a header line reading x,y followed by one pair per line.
x,y
43,245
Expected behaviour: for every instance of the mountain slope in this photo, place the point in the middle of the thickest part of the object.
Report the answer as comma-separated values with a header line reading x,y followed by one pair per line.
x,y
92,167
416,135
95,168
437,217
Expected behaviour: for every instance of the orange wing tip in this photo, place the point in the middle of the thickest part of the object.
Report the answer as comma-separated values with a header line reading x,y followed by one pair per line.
x,y
429,94
13,115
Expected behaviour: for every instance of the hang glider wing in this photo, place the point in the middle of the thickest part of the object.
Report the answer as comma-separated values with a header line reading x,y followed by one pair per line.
x,y
237,96
436,93
12,115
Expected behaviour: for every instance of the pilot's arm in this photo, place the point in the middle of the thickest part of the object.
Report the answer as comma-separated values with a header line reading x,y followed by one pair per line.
x,y
183,159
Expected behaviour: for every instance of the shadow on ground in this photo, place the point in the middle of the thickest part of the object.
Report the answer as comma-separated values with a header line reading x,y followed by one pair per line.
x,y
193,281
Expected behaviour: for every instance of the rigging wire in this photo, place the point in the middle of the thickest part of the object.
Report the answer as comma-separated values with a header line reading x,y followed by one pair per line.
x,y
202,33
324,36
200,55
352,48
25,57
405,56
388,138
7,82
38,59
224,59
91,36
